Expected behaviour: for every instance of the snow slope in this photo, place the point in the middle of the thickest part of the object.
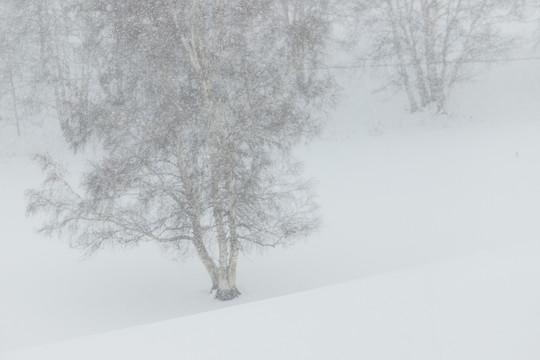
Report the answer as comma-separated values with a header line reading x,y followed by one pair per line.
x,y
409,191
481,306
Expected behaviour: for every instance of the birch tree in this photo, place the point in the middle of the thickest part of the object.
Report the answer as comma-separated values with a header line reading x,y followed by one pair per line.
x,y
432,43
64,68
43,63
18,36
201,103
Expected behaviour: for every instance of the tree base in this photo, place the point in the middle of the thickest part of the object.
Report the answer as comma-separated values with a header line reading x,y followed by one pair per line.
x,y
226,295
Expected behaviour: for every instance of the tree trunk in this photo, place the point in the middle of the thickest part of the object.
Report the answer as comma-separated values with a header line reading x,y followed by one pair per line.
x,y
430,13
226,274
194,216
207,261
15,111
233,238
227,289
403,73
407,26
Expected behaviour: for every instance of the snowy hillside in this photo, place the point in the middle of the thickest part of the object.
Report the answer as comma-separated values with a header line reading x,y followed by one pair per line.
x,y
394,196
482,306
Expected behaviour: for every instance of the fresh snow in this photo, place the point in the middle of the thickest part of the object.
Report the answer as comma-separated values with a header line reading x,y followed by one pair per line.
x,y
482,306
396,192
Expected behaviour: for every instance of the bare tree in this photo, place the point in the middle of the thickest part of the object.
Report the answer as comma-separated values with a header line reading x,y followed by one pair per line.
x,y
18,36
431,42
64,64
201,103
43,61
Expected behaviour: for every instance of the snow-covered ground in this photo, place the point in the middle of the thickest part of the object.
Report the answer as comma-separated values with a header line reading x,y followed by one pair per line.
x,y
396,191
481,306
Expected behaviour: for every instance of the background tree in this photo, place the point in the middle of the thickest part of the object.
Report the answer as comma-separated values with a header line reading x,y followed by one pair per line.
x,y
64,64
18,35
198,107
431,43
43,64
